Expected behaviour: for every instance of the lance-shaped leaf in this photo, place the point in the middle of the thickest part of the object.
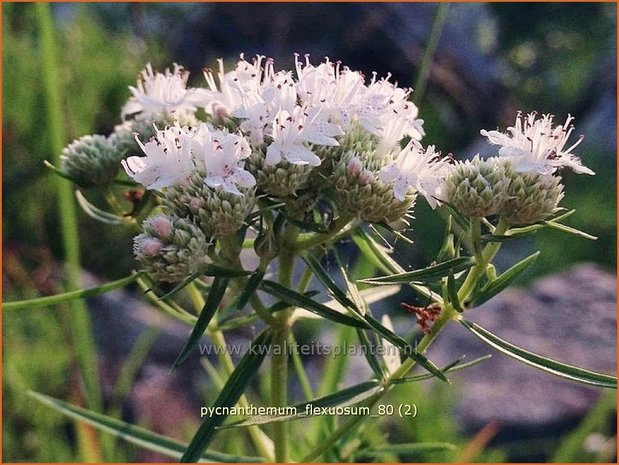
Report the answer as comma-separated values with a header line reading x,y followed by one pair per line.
x,y
323,276
98,214
569,229
229,395
440,270
62,174
133,434
66,296
215,296
551,366
379,256
502,282
300,300
343,398
456,365
452,292
250,288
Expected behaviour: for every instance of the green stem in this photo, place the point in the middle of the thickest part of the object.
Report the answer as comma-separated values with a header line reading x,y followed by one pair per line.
x,y
428,56
279,359
337,229
81,327
482,257
447,314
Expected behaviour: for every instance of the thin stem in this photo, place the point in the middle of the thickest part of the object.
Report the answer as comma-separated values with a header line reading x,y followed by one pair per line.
x,y
337,229
483,258
306,385
428,55
279,360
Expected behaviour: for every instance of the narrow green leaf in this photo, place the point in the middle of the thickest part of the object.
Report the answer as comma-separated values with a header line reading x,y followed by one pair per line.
x,y
305,225
133,434
409,448
456,365
180,286
495,287
507,237
97,213
229,395
570,230
62,174
370,354
300,300
452,291
79,294
462,221
323,276
215,296
216,270
377,255
395,232
406,348
551,366
250,288
343,398
435,271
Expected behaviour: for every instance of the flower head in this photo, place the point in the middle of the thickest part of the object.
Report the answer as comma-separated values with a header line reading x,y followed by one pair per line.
x,y
535,146
168,160
291,130
221,154
414,167
163,93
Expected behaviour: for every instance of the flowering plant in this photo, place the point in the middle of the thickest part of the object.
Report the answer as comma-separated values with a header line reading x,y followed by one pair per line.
x,y
241,187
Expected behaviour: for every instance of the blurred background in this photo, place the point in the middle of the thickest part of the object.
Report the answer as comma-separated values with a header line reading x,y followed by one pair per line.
x,y
492,60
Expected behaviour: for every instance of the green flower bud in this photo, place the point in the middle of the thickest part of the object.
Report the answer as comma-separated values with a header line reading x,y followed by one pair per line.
x,y
281,180
359,192
532,197
478,188
91,160
217,212
170,249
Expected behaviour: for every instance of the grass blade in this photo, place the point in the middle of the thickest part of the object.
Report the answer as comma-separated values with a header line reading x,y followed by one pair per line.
x,y
409,448
215,296
345,397
551,366
134,434
229,395
66,296
495,287
300,300
435,271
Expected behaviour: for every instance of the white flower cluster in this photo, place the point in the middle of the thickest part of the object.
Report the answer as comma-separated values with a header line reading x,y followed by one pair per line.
x,y
285,118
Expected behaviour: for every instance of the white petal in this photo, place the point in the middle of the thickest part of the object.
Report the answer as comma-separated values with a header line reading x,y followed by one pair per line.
x,y
301,155
400,188
274,155
244,178
389,173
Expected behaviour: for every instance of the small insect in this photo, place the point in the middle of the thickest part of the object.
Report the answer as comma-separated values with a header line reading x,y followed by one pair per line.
x,y
425,315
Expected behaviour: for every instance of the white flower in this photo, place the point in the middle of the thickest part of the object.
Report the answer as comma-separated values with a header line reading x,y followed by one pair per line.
x,y
163,93
423,170
221,154
291,130
535,146
168,160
